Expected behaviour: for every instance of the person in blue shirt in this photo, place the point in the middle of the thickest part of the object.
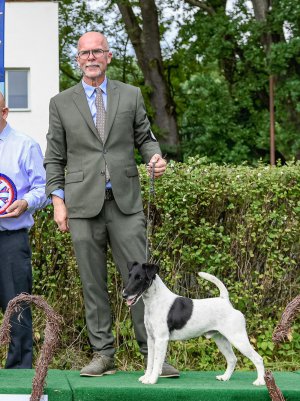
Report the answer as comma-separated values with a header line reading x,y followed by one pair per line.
x,y
22,191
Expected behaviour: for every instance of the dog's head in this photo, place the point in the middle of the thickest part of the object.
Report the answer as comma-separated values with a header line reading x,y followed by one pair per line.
x,y
140,279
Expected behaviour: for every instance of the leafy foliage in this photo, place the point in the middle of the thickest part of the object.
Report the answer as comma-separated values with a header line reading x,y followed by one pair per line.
x,y
226,93
241,224
217,65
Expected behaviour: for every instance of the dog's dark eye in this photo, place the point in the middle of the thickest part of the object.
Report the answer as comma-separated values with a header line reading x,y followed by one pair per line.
x,y
138,277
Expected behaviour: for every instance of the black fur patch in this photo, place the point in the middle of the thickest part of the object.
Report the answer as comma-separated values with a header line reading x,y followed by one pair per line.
x,y
179,313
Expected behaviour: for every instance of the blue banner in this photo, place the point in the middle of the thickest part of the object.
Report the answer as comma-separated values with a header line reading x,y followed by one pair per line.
x,y
2,72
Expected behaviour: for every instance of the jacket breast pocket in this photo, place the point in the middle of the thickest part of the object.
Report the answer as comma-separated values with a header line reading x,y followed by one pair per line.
x,y
74,177
125,114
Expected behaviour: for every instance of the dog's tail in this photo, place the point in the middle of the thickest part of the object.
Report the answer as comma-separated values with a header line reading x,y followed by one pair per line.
x,y
217,282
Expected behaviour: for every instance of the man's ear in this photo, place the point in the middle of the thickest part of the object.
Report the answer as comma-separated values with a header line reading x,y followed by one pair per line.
x,y
109,57
5,112
151,270
131,264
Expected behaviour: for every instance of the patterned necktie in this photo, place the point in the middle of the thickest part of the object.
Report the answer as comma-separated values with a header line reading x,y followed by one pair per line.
x,y
100,122
101,114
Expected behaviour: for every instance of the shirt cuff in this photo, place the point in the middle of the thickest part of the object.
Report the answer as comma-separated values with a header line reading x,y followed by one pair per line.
x,y
30,203
59,192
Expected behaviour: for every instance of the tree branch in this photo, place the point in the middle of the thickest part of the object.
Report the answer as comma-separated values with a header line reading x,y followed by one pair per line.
x,y
131,23
260,8
202,5
68,73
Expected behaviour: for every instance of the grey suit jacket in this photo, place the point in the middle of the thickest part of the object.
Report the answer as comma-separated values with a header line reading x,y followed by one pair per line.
x,y
75,156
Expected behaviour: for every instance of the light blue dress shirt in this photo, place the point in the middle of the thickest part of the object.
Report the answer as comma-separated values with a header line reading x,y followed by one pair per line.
x,y
21,160
90,92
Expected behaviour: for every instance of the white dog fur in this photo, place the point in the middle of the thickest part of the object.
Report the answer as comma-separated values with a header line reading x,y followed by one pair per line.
x,y
171,317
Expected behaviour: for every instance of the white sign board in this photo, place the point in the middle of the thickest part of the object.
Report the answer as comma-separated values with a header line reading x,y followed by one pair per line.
x,y
19,397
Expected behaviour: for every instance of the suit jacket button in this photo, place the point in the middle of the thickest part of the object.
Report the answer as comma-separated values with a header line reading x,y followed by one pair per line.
x,y
102,172
104,151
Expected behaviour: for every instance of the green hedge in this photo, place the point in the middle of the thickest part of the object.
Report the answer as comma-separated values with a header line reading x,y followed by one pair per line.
x,y
241,224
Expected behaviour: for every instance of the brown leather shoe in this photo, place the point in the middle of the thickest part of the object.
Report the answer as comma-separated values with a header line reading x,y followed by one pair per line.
x,y
167,369
100,365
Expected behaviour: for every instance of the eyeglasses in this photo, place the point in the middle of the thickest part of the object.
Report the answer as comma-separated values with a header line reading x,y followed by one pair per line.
x,y
85,54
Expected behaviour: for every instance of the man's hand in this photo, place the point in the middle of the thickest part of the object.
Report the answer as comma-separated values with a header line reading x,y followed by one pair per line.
x,y
160,165
60,213
15,209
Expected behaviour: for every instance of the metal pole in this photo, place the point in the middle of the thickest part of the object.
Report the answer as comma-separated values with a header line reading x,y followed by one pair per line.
x,y
272,120
2,71
271,102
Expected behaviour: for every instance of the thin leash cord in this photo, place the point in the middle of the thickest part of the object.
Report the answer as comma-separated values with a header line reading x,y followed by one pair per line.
x,y
151,193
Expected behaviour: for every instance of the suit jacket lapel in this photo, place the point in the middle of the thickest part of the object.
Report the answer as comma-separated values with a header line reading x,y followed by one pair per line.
x,y
113,96
79,98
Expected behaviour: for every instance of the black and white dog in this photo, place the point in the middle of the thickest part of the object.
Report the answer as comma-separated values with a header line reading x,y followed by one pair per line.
x,y
171,317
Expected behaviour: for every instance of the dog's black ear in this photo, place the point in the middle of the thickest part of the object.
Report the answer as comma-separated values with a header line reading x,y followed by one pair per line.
x,y
130,265
150,269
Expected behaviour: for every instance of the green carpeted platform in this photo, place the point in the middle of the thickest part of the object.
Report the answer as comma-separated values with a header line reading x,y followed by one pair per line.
x,y
191,386
124,386
19,381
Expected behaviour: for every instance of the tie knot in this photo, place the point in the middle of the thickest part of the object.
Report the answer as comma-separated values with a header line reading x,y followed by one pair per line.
x,y
99,90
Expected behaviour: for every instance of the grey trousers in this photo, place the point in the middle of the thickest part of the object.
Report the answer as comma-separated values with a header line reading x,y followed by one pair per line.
x,y
126,235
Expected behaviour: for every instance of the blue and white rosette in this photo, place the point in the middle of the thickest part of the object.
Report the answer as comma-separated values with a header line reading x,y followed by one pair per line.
x,y
8,193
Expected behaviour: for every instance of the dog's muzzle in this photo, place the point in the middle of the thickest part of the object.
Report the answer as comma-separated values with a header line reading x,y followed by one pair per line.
x,y
130,299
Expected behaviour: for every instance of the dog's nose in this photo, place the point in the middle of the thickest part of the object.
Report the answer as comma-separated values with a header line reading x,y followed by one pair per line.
x,y
124,295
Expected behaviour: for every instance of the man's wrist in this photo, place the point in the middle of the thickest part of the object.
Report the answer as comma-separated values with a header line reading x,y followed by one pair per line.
x,y
57,200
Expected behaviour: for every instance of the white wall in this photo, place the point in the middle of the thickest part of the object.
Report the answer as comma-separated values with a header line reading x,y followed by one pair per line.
x,y
31,41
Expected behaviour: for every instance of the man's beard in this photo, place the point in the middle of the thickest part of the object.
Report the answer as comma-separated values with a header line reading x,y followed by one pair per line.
x,y
91,74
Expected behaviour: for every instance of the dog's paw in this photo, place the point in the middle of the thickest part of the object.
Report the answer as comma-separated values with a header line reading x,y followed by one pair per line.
x,y
143,378
259,382
223,378
147,380
152,379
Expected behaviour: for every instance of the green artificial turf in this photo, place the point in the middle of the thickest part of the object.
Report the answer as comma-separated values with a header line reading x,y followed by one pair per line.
x,y
191,386
19,381
124,386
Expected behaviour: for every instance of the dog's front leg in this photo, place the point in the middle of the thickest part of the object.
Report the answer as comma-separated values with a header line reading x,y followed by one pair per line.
x,y
150,359
160,350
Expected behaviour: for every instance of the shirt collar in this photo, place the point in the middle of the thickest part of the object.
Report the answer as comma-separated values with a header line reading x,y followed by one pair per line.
x,y
5,132
89,90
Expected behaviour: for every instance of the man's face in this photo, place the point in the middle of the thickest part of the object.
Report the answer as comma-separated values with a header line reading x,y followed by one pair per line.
x,y
93,64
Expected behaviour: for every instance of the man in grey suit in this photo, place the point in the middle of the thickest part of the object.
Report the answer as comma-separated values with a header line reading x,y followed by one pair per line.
x,y
92,177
